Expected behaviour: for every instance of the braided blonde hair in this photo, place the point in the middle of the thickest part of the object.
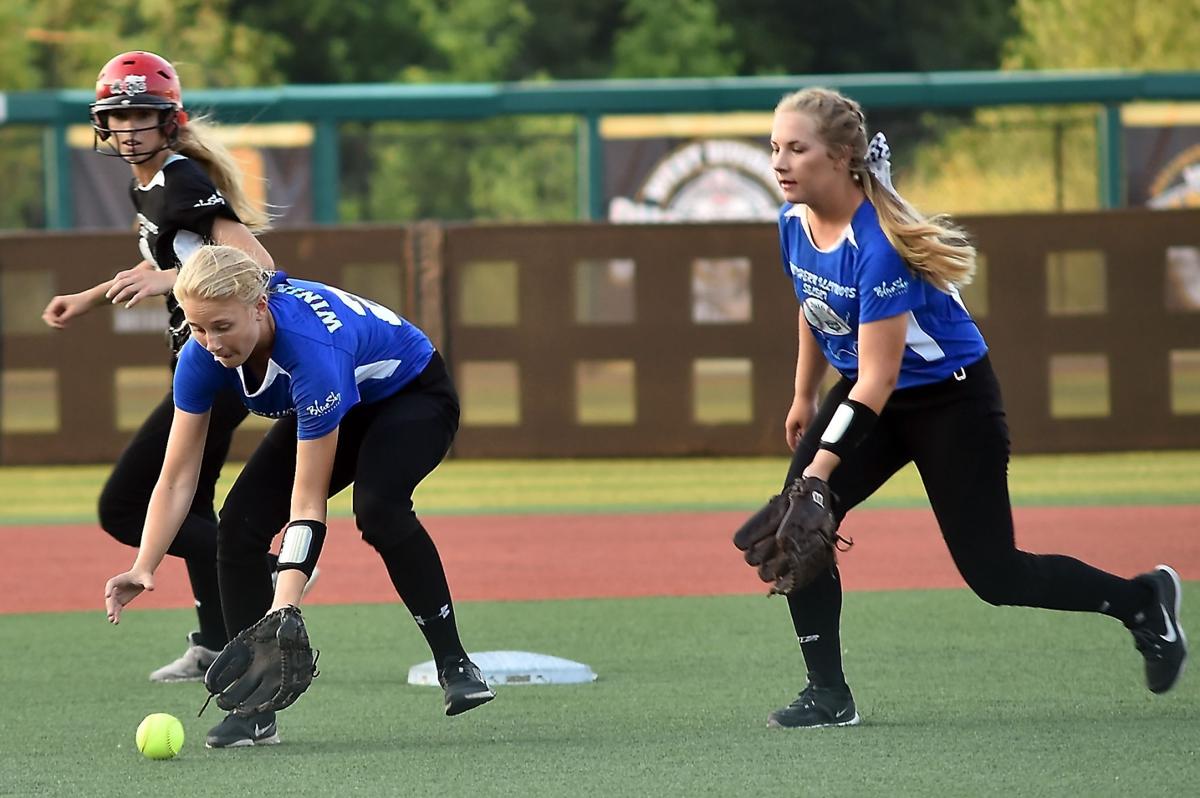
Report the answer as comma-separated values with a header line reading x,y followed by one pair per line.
x,y
932,246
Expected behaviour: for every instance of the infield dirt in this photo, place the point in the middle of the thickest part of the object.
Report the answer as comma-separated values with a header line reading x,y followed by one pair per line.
x,y
521,557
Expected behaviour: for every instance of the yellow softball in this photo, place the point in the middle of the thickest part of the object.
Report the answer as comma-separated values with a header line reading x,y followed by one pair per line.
x,y
159,736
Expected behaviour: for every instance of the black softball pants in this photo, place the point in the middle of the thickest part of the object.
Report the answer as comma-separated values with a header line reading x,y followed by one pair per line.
x,y
126,495
955,432
385,448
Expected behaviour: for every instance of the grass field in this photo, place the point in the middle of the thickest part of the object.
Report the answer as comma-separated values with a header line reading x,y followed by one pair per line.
x,y
958,698
67,494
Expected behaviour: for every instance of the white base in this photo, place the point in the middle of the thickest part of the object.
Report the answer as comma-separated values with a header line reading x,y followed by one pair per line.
x,y
513,667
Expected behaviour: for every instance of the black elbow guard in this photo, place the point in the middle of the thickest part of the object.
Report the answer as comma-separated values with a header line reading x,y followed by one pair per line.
x,y
302,542
852,422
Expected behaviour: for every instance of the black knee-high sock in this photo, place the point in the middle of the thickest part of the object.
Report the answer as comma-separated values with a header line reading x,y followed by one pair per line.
x,y
196,544
246,591
1070,584
203,576
418,576
1051,581
816,615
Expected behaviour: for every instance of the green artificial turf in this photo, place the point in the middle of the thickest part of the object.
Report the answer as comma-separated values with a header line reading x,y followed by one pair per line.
x,y
958,699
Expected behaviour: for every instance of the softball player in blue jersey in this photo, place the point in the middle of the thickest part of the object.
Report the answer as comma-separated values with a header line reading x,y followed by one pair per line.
x,y
876,282
361,396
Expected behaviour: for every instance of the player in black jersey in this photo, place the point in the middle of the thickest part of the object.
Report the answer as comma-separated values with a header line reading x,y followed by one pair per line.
x,y
186,190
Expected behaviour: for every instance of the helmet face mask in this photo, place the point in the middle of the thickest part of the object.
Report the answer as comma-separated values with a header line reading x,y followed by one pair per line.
x,y
106,139
137,80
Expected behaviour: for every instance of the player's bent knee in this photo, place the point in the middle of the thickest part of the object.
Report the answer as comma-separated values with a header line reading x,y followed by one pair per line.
x,y
236,544
997,598
120,521
1013,579
385,521
398,531
997,591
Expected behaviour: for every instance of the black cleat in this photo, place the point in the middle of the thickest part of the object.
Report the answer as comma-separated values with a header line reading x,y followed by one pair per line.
x,y
464,685
1157,633
816,708
236,731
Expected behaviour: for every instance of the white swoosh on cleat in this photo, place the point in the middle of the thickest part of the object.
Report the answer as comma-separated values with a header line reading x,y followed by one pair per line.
x,y
1170,636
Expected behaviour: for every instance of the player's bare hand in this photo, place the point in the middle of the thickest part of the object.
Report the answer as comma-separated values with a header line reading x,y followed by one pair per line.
x,y
124,588
133,285
63,308
798,418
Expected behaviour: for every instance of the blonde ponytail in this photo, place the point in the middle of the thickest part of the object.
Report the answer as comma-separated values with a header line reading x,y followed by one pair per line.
x,y
198,142
932,246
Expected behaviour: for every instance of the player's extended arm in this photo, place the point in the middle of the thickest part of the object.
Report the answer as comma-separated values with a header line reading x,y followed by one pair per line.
x,y
811,366
64,307
169,505
235,234
131,286
880,351
305,533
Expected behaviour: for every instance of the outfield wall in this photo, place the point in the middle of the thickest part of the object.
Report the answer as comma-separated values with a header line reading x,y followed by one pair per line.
x,y
598,339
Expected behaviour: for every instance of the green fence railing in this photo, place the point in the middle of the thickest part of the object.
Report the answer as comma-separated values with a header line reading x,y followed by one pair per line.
x,y
327,105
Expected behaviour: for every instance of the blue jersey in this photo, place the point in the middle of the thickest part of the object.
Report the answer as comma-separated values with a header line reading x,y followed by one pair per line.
x,y
860,279
332,350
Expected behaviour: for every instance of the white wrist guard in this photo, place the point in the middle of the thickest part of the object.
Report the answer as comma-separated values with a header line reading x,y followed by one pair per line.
x,y
302,542
850,425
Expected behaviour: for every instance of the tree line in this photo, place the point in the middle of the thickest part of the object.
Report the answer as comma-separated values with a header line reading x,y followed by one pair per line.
x,y
524,168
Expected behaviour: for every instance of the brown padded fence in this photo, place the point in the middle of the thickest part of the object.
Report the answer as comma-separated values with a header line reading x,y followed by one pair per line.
x,y
661,340
601,340
83,359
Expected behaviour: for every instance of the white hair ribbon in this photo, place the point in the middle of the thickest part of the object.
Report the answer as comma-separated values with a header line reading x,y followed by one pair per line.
x,y
879,162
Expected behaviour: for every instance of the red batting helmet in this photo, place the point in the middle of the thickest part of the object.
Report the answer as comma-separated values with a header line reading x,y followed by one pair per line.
x,y
139,79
